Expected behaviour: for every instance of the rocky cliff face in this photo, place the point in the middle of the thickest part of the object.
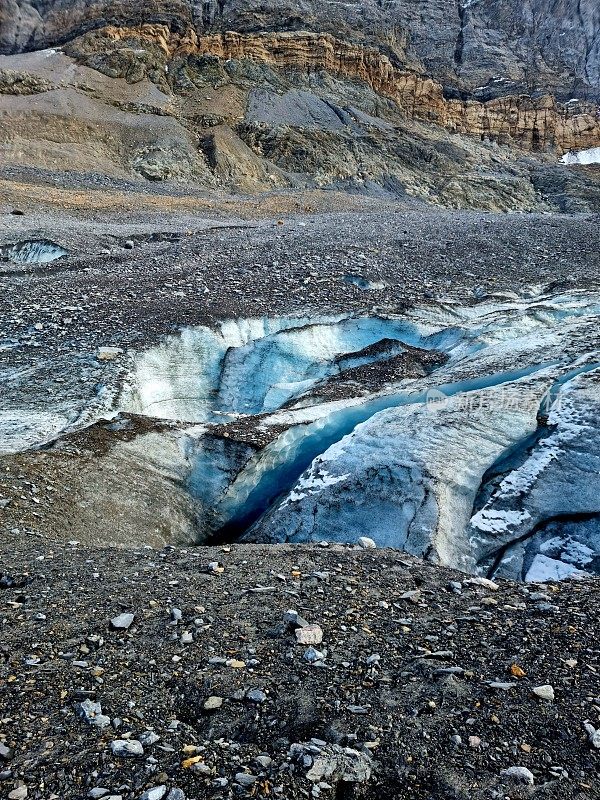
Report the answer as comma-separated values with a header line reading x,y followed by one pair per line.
x,y
501,45
531,121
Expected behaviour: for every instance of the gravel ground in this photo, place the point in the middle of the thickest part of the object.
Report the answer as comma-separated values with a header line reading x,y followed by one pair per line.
x,y
428,678
194,269
132,278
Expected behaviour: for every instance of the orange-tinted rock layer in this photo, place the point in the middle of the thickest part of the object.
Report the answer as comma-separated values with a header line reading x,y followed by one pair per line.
x,y
533,124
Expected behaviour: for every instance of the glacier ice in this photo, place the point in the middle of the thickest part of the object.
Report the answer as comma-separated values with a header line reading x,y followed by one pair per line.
x,y
461,481
483,457
33,251
249,366
557,486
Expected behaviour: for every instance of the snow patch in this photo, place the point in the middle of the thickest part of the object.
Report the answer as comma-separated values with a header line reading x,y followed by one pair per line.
x,y
544,569
22,429
498,521
313,484
582,157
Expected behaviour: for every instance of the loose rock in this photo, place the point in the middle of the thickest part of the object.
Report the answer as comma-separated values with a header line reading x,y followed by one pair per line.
x,y
213,703
92,713
519,775
127,748
122,622
311,634
157,793
366,543
545,692
256,696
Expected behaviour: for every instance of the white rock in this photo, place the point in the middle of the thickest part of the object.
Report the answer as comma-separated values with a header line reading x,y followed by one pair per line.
x,y
157,793
92,713
486,582
366,543
122,622
593,735
313,656
176,794
311,634
519,774
546,692
127,748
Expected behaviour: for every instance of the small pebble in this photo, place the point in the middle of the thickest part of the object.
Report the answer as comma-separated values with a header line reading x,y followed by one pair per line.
x,y
545,692
213,703
519,775
311,634
157,793
256,696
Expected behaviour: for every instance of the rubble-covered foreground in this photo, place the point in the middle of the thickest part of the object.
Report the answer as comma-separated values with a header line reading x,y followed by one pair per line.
x,y
418,682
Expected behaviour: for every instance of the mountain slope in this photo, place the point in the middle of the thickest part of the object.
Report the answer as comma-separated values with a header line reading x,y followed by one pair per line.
x,y
468,105
548,44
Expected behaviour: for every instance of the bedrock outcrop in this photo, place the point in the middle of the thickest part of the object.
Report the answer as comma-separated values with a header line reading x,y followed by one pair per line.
x,y
285,104
548,44
532,121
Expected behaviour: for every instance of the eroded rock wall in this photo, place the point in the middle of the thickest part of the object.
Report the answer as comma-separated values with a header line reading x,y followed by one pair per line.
x,y
548,44
408,99
533,122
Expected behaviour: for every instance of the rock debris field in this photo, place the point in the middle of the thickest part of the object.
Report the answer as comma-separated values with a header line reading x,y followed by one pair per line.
x,y
178,673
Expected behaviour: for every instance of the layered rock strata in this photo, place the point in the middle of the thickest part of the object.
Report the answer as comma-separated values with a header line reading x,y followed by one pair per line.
x,y
533,122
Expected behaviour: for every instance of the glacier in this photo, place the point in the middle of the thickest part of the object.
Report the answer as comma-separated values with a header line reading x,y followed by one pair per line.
x,y
582,157
462,432
33,251
386,467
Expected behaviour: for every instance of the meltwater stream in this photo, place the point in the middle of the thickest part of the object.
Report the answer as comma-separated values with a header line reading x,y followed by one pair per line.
x,y
280,465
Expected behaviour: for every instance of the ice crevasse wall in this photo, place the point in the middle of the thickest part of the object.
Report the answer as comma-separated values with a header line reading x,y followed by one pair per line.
x,y
383,463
